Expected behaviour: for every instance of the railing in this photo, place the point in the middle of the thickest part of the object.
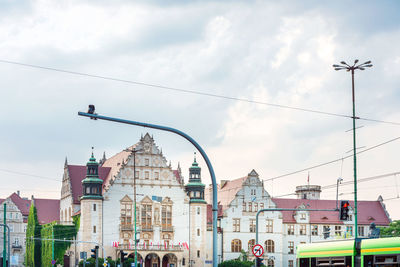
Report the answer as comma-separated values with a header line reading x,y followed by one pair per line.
x,y
158,247
16,246
146,228
125,227
167,229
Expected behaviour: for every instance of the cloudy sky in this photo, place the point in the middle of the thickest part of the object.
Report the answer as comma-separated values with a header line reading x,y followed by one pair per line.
x,y
267,52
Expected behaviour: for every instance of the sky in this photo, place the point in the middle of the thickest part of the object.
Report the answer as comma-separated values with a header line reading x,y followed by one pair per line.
x,y
268,54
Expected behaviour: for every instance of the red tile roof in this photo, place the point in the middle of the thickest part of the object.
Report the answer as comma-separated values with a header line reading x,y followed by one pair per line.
x,y
114,163
368,211
178,176
210,215
77,174
48,210
22,204
228,189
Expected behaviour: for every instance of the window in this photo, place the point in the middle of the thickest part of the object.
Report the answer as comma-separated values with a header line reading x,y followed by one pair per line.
x,y
251,244
270,226
146,175
291,247
314,229
236,245
361,231
166,217
338,230
244,206
236,225
252,226
303,230
146,162
271,263
290,230
256,207
198,232
136,174
126,213
290,263
250,207
261,206
94,229
156,175
94,207
198,210
198,254
269,246
16,241
302,216
349,230
146,217
350,217
11,227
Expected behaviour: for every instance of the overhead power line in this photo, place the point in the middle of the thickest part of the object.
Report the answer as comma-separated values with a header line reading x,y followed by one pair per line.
x,y
181,90
332,161
32,175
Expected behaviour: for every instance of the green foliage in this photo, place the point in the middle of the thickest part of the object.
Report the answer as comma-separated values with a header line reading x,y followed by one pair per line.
x,y
392,230
236,263
33,246
54,231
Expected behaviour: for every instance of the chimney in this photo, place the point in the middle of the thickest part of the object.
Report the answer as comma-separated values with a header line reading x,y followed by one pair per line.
x,y
18,192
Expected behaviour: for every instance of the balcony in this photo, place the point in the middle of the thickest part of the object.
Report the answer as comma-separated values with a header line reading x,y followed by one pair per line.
x,y
126,227
167,229
16,246
146,228
158,247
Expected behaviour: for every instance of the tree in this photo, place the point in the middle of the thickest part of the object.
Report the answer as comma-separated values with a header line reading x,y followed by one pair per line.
x,y
392,230
33,246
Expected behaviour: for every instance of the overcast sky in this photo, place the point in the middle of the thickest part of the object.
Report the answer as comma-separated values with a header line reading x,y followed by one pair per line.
x,y
264,51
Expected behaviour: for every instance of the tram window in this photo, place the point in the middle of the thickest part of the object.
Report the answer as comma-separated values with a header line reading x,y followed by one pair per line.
x,y
386,260
313,262
304,262
368,261
348,261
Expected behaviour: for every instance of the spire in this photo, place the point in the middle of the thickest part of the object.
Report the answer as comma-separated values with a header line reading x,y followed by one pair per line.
x,y
66,162
195,188
92,183
103,159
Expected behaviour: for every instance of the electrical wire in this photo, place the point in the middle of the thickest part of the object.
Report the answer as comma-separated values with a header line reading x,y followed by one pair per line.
x,y
187,91
332,161
31,175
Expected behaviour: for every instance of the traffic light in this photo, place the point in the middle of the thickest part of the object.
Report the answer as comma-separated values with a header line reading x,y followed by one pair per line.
x,y
94,252
326,232
344,210
123,254
259,262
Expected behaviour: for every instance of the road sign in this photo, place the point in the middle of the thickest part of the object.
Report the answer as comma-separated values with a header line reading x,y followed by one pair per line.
x,y
258,250
83,255
53,262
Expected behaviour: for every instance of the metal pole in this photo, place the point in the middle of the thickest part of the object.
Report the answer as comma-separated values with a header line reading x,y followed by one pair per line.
x,y
9,241
202,152
134,197
355,160
52,248
4,241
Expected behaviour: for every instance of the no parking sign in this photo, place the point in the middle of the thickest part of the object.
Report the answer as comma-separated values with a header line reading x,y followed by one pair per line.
x,y
258,250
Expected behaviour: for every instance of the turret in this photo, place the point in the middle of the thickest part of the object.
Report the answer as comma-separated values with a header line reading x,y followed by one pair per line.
x,y
92,184
195,189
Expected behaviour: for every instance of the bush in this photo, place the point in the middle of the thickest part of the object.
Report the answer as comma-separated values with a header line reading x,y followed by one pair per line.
x,y
236,263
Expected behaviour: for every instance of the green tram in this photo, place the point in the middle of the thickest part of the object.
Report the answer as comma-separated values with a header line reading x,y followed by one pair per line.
x,y
379,252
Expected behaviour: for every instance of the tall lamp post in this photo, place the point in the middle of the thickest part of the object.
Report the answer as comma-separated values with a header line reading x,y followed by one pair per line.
x,y
344,66
92,115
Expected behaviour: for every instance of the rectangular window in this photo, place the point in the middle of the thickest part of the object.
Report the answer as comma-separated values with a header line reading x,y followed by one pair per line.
x,y
137,174
252,225
270,226
236,225
16,241
290,229
261,206
302,216
166,217
156,175
350,218
94,207
303,229
361,231
146,217
94,229
349,230
290,263
314,230
198,254
338,230
146,162
255,207
146,175
244,206
250,207
291,247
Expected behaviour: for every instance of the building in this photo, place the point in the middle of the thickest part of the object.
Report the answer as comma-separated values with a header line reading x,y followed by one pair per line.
x,y
281,231
170,217
17,211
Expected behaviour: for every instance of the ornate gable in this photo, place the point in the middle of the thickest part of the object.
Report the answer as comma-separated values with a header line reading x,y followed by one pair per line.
x,y
146,200
126,198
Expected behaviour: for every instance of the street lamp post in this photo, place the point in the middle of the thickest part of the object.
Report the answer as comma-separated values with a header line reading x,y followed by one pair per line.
x,y
92,115
347,67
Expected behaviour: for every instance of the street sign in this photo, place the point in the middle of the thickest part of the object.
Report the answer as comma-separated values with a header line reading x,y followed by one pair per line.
x,y
258,250
83,255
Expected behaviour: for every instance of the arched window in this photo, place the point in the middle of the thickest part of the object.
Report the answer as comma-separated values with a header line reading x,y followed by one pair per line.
x,y
251,244
269,246
271,263
236,245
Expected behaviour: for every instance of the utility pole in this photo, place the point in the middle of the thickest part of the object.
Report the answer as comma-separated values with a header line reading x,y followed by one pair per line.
x,y
4,242
347,67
